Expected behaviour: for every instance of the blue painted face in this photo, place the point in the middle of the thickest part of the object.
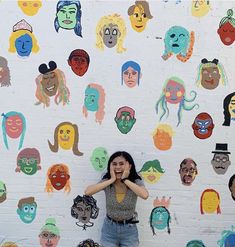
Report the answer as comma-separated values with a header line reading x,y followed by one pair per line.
x,y
24,45
160,218
27,213
91,99
177,40
230,240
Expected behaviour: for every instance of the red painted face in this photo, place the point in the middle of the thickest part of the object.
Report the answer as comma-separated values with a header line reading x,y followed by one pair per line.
x,y
203,125
14,126
227,33
174,92
59,179
79,65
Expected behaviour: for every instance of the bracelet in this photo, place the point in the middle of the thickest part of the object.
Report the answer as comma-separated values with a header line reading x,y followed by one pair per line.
x,y
123,180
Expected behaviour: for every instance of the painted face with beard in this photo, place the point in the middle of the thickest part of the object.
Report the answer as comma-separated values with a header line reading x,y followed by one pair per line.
x,y
220,163
188,171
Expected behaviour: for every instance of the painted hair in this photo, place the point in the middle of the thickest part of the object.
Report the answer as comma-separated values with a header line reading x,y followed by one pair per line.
x,y
168,219
198,243
5,80
19,33
54,147
57,167
79,53
133,65
201,200
61,4
227,238
227,116
106,20
140,4
125,109
50,226
230,183
10,114
99,116
133,174
228,18
166,128
185,161
62,94
28,200
88,243
208,64
155,164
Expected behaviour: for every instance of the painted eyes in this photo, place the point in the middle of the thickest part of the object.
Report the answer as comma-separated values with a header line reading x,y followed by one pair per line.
x,y
107,31
115,32
27,209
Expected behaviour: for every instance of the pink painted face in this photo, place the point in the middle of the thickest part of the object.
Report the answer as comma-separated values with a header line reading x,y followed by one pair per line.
x,y
14,126
174,92
227,33
48,239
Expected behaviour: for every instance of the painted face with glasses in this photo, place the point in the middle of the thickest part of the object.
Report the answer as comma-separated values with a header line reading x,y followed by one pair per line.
x,y
48,239
188,171
220,163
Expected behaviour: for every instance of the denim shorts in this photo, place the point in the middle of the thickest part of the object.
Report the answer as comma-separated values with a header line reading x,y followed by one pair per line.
x,y
122,235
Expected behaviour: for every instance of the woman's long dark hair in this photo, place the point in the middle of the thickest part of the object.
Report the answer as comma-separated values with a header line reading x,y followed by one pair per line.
x,y
227,116
133,174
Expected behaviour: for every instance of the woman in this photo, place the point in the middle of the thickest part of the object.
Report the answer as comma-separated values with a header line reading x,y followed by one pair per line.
x,y
121,185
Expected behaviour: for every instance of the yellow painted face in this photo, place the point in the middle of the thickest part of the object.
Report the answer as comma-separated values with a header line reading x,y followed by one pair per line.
x,y
200,7
151,176
138,19
66,135
30,7
231,107
210,202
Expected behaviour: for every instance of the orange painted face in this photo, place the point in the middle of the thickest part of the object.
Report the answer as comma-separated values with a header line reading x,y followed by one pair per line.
x,y
210,202
162,140
14,126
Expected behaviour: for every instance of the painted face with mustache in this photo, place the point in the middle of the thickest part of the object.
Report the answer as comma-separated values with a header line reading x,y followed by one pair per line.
x,y
220,163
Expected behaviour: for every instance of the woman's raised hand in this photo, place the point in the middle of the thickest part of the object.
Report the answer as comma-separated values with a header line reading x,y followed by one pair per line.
x,y
127,169
112,174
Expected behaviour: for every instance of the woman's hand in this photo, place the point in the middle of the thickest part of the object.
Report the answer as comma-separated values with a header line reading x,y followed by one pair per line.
x,y
112,174
127,169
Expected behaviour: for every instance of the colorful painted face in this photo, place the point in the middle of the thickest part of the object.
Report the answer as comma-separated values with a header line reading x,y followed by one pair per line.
x,y
24,45
48,239
99,159
151,176
67,16
220,163
227,33
160,218
210,77
230,240
29,166
14,126
66,136
91,100
125,122
79,65
200,7
174,92
4,73
188,172
59,179
195,243
177,40
162,140
27,212
50,83
3,192
139,19
130,77
203,126
83,212
30,7
210,202
231,107
110,35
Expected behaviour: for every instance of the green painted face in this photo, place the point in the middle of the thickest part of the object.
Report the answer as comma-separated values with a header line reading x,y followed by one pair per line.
x,y
3,192
99,159
125,122
28,166
67,16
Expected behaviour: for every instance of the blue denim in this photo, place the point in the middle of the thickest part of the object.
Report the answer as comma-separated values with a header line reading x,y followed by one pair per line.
x,y
119,235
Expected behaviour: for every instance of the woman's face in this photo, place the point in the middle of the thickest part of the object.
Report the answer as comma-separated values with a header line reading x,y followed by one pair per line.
x,y
24,45
118,165
210,77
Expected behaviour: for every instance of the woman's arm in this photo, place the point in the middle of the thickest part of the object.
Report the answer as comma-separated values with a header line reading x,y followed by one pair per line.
x,y
140,191
95,188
